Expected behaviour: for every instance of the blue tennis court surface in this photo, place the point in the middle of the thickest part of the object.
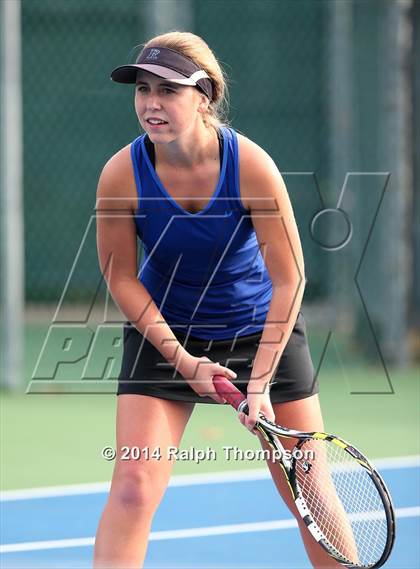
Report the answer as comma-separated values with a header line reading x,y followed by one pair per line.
x,y
225,520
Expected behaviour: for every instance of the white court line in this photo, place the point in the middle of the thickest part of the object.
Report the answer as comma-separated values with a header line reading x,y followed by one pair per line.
x,y
411,461
182,533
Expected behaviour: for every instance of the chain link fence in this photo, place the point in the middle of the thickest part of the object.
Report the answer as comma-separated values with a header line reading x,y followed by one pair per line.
x,y
75,118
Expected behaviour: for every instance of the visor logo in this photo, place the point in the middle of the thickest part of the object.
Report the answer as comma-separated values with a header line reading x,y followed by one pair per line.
x,y
153,54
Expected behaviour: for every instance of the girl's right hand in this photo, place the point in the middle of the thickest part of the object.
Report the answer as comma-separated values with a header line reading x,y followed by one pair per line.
x,y
199,372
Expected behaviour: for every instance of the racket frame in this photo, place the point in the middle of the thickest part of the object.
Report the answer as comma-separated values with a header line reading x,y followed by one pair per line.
x,y
271,431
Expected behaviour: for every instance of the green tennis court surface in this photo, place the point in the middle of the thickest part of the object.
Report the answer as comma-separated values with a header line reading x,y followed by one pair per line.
x,y
50,439
58,439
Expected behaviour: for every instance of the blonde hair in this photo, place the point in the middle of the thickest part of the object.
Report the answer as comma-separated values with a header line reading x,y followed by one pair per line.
x,y
195,48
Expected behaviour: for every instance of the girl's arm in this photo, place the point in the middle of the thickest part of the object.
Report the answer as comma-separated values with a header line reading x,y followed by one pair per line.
x,y
117,252
264,193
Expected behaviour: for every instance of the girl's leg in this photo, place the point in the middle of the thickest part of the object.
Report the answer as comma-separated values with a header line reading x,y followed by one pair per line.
x,y
302,415
138,485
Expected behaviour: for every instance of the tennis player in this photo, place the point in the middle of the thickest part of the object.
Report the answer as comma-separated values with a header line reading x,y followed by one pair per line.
x,y
219,289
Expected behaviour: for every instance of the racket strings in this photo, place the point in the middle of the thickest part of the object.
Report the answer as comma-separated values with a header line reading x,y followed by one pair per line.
x,y
343,501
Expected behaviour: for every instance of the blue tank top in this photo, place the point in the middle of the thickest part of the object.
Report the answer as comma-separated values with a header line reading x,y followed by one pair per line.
x,y
204,270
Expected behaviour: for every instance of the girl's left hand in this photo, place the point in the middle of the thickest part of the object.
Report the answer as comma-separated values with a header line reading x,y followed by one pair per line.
x,y
258,402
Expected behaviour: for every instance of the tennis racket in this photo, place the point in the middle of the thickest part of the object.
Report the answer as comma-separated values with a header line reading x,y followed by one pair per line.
x,y
340,496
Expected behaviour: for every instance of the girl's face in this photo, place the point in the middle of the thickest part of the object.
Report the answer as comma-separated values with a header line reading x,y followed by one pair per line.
x,y
166,110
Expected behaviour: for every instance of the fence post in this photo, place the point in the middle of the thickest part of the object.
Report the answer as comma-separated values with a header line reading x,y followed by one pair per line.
x,y
12,248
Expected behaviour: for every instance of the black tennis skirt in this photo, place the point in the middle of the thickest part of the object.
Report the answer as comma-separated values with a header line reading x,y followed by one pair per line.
x,y
144,371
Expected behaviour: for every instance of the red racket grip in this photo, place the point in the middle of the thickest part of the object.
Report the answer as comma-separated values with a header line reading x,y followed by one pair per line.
x,y
228,391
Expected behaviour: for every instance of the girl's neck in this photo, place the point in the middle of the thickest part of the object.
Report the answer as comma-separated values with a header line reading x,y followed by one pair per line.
x,y
190,149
